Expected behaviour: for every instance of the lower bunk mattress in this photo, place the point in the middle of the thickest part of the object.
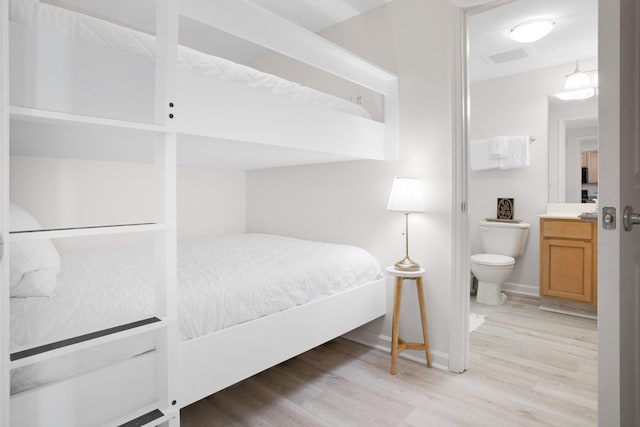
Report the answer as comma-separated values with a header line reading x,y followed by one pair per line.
x,y
222,281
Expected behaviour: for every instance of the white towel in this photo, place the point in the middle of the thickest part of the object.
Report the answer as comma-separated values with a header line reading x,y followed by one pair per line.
x,y
480,155
517,153
498,147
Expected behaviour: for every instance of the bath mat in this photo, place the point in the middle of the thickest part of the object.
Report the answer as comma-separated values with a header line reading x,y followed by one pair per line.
x,y
475,321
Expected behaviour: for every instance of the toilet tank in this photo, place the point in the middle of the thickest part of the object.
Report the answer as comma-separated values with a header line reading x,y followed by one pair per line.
x,y
504,238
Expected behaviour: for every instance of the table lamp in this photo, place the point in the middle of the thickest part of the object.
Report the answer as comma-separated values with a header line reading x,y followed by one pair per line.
x,y
406,197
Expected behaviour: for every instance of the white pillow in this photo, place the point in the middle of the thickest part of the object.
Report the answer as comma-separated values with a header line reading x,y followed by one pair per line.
x,y
34,264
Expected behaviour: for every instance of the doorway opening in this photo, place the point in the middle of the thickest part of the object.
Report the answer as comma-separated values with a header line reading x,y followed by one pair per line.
x,y
512,93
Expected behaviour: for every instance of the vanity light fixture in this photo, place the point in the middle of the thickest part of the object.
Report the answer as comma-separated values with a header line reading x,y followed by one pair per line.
x,y
577,80
576,94
531,31
578,85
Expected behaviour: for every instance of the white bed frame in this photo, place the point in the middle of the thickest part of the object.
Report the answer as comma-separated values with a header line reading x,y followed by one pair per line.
x,y
207,364
177,374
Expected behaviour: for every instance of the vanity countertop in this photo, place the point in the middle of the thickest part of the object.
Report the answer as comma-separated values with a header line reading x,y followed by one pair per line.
x,y
558,215
568,210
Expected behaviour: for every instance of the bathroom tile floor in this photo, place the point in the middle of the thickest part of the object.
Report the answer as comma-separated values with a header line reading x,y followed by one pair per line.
x,y
527,368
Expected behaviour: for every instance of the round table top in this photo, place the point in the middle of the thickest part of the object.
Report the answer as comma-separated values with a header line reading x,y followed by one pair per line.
x,y
400,273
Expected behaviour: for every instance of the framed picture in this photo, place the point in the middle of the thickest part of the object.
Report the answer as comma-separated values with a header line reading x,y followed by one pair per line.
x,y
505,208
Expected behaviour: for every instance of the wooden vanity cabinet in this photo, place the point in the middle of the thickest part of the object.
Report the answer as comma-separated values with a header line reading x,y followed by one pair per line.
x,y
568,259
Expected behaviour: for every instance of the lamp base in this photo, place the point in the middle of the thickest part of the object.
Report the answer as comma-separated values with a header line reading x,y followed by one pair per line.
x,y
407,265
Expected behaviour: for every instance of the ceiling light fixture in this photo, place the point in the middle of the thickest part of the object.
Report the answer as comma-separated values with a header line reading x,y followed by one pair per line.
x,y
530,31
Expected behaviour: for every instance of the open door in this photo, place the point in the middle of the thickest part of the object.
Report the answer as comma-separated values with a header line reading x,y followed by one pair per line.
x,y
4,210
619,247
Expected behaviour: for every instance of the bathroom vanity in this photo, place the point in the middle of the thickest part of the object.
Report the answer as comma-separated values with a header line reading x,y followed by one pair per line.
x,y
568,258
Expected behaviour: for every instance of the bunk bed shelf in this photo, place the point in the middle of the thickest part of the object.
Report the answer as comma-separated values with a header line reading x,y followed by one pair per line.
x,y
34,354
100,230
77,120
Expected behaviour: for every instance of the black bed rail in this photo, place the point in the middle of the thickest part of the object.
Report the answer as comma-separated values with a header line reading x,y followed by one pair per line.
x,y
81,338
144,419
84,227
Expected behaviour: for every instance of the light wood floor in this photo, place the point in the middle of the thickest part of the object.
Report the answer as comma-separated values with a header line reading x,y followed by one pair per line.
x,y
528,368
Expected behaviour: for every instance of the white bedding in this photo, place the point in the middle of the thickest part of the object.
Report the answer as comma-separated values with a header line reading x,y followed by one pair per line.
x,y
222,281
86,29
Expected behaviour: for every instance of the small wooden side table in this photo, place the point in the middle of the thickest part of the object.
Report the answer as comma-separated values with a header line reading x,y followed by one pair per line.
x,y
398,345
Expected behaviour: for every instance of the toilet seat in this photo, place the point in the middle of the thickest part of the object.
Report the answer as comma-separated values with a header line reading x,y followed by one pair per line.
x,y
492,259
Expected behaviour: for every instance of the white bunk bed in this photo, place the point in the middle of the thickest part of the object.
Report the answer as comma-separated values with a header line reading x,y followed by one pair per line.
x,y
188,125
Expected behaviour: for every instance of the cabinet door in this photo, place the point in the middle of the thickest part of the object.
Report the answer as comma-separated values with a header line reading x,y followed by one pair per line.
x,y
593,167
567,269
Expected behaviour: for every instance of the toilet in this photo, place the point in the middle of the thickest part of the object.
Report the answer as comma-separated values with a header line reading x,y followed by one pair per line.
x,y
501,242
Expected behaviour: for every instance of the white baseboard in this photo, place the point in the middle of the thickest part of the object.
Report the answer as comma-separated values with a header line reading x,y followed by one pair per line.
x,y
520,289
439,359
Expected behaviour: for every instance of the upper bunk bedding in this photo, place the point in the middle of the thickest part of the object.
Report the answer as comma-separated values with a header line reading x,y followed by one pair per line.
x,y
86,29
222,281
225,113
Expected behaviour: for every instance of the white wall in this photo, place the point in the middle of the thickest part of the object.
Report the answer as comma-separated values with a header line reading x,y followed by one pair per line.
x,y
345,202
515,105
69,192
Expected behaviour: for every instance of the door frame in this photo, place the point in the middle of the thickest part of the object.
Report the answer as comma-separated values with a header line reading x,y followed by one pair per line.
x,y
610,407
461,247
460,267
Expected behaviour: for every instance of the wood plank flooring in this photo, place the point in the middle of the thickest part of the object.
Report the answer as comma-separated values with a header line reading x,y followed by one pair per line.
x,y
528,368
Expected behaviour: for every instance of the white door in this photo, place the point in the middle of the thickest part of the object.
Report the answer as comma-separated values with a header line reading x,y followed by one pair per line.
x,y
4,198
619,186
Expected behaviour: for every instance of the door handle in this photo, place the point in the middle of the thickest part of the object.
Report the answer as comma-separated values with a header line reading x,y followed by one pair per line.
x,y
629,218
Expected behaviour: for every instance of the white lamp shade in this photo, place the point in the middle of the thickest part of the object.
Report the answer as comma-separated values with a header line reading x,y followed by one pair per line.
x,y
406,196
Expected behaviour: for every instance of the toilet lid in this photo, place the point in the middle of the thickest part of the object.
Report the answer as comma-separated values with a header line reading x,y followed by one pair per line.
x,y
492,259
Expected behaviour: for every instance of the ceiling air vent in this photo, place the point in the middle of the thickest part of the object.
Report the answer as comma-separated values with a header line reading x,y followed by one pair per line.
x,y
507,56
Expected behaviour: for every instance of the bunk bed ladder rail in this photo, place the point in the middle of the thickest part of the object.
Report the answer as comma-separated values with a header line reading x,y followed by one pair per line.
x,y
165,163
158,367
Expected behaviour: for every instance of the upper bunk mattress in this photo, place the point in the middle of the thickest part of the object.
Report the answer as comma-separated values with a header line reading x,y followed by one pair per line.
x,y
222,281
86,29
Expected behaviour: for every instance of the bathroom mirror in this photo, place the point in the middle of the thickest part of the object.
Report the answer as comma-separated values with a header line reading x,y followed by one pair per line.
x,y
573,150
